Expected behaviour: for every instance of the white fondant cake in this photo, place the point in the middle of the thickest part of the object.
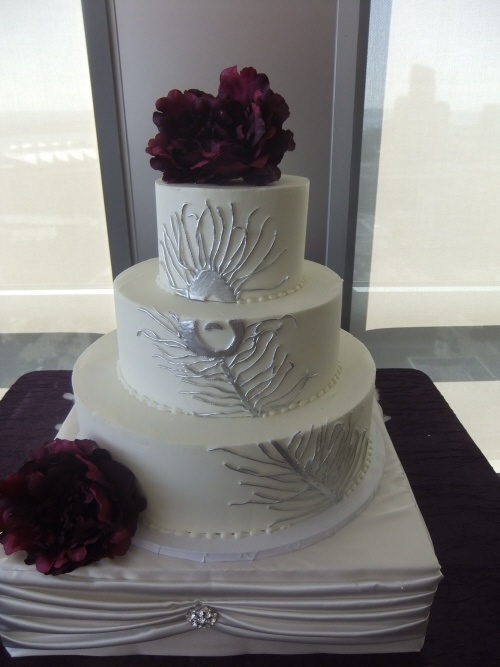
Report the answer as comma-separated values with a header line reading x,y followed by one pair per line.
x,y
229,388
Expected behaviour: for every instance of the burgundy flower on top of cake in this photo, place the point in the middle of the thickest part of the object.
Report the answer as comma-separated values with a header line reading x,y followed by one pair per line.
x,y
236,135
69,505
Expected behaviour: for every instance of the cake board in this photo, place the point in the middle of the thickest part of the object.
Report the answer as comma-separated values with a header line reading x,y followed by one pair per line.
x,y
367,588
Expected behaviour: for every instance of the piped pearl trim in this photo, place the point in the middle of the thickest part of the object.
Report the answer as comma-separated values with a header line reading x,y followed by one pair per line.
x,y
277,295
213,535
253,299
176,411
312,398
361,475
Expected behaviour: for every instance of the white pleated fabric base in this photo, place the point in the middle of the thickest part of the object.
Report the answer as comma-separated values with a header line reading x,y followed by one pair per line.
x,y
366,589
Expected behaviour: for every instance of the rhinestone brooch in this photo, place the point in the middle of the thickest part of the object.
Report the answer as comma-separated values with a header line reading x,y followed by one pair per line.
x,y
202,616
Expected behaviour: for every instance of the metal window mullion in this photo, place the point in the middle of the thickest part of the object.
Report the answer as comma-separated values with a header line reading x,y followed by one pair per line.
x,y
351,47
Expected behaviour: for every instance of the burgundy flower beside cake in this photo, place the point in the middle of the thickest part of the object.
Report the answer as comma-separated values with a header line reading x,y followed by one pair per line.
x,y
69,505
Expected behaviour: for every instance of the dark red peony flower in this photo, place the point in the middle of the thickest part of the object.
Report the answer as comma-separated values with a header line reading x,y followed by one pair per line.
x,y
237,135
69,505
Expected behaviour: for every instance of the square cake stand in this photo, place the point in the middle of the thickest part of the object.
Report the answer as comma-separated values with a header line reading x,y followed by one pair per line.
x,y
368,588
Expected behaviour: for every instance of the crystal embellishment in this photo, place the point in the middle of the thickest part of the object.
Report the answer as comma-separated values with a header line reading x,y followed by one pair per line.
x,y
202,616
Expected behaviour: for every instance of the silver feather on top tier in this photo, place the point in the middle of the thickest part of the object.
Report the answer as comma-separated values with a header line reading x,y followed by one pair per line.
x,y
210,255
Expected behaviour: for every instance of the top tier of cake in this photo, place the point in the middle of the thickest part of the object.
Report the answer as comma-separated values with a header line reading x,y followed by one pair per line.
x,y
223,244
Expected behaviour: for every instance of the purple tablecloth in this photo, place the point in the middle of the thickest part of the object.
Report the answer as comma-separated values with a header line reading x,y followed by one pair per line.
x,y
457,491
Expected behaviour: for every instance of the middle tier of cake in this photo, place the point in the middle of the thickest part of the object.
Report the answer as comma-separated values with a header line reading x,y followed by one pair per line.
x,y
231,359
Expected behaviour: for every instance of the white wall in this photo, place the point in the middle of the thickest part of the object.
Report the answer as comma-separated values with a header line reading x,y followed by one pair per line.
x,y
165,44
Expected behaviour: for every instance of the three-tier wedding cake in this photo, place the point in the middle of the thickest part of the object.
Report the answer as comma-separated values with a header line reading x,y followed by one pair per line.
x,y
229,388
249,420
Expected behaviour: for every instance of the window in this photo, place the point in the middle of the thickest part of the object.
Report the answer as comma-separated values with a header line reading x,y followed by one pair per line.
x,y
426,290
55,274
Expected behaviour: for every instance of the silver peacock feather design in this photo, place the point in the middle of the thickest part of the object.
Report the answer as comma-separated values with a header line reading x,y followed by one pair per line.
x,y
251,375
313,472
215,256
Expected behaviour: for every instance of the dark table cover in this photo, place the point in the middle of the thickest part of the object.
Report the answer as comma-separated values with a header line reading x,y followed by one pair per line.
x,y
457,491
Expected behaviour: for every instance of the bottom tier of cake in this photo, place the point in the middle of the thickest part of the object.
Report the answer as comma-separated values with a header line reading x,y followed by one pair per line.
x,y
366,589
225,480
